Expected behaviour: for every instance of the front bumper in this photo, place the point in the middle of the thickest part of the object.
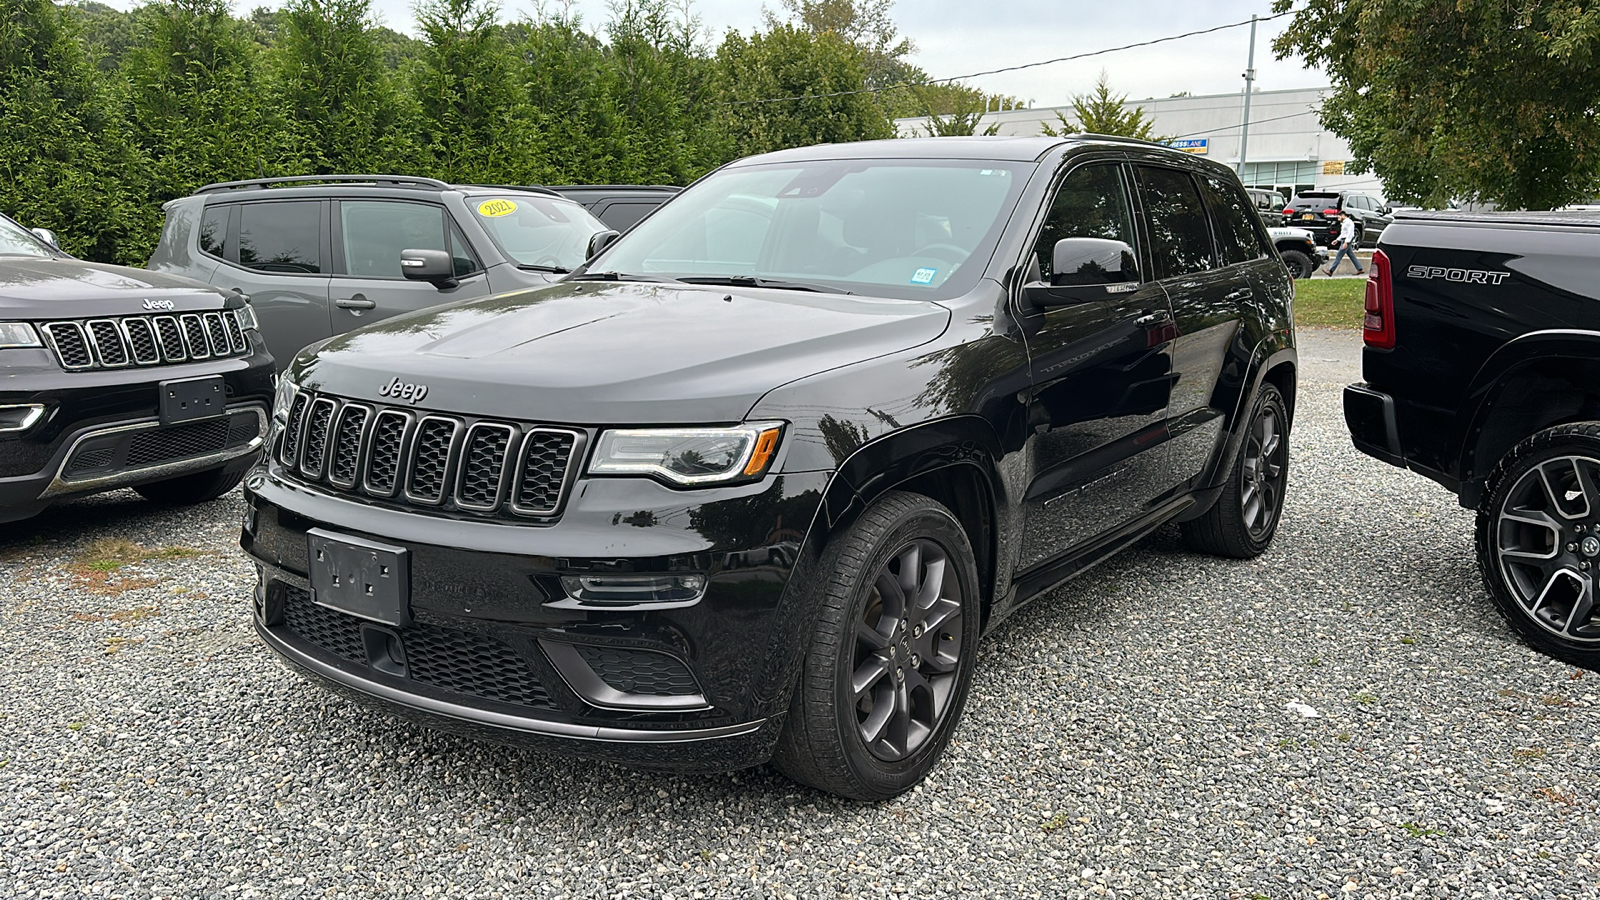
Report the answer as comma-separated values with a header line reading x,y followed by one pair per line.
x,y
494,647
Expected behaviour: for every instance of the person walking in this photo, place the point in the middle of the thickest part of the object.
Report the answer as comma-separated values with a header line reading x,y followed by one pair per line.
x,y
1347,245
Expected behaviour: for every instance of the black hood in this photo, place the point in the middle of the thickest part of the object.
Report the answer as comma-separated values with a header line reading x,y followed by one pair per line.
x,y
62,287
604,353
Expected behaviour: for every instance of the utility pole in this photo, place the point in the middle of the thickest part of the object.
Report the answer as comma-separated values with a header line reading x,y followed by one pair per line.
x,y
1249,84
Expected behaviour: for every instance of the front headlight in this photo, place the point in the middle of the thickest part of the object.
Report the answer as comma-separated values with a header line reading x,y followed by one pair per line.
x,y
283,398
18,334
689,456
247,318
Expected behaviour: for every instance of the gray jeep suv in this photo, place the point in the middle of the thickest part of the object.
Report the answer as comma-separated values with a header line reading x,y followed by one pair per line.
x,y
321,255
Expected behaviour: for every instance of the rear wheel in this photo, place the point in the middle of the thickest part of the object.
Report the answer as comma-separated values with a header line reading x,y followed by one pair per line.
x,y
1243,520
1298,263
890,659
1538,541
189,489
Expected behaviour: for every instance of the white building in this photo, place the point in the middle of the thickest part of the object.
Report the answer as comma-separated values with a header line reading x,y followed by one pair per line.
x,y
1288,147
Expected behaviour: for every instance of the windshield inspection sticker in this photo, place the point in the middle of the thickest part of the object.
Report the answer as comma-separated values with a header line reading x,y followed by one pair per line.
x,y
924,276
493,209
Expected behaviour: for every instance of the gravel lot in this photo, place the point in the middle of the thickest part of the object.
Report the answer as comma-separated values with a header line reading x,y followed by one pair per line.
x,y
1127,736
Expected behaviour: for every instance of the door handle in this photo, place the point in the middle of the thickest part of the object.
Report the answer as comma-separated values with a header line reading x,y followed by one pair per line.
x,y
359,301
1241,294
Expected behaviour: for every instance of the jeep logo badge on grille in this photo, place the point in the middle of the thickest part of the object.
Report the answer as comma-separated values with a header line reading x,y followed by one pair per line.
x,y
158,304
403,391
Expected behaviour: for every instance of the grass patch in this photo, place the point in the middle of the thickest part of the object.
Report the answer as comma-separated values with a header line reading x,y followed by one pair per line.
x,y
1329,302
1419,831
110,554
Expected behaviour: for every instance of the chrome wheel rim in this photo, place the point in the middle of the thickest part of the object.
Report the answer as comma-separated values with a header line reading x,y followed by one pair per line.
x,y
1262,475
1547,542
907,651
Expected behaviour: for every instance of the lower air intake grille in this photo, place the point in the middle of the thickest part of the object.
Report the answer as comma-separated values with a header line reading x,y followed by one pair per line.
x,y
639,671
334,632
177,442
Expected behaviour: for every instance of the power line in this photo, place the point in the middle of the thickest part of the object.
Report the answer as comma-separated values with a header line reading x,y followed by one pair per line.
x,y
1233,127
1044,62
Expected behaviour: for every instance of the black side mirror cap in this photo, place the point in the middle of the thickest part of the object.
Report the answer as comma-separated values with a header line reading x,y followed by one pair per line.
x,y
433,266
600,240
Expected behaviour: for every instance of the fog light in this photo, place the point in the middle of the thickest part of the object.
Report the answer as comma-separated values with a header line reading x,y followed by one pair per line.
x,y
631,590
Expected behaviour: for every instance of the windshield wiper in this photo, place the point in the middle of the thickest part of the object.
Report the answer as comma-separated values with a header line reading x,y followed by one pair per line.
x,y
554,270
610,276
754,281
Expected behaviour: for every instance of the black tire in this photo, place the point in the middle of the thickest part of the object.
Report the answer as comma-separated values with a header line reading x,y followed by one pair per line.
x,y
186,490
907,658
1298,263
1539,552
1242,521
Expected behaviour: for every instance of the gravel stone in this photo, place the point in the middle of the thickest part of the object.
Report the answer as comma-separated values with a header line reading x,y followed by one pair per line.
x,y
1130,735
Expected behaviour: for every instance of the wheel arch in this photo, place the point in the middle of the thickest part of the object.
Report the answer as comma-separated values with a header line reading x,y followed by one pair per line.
x,y
953,461
1555,376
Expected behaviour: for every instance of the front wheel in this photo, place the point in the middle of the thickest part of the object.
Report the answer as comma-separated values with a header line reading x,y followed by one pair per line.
x,y
890,659
186,490
1538,541
1243,520
1298,263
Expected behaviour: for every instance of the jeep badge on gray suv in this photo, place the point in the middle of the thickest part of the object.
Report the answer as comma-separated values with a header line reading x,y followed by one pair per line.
x,y
321,255
752,483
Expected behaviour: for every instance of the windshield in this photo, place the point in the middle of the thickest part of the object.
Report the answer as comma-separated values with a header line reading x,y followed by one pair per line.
x,y
907,229
18,241
540,232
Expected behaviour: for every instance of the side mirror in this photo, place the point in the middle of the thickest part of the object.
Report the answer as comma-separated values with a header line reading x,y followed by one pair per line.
x,y
46,235
1385,210
433,266
1092,261
600,240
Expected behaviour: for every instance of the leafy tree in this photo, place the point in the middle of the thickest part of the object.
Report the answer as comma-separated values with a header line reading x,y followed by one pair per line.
x,y
194,97
1102,112
337,98
65,159
107,32
1449,98
477,124
823,70
864,23
661,93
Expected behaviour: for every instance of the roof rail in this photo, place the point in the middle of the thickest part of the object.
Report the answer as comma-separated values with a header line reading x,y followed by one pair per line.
x,y
1121,139
525,188
616,187
395,180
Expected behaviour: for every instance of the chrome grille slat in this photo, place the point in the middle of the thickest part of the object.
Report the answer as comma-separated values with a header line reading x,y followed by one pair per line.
x,y
217,334
194,336
71,345
141,337
236,341
171,337
481,467
108,346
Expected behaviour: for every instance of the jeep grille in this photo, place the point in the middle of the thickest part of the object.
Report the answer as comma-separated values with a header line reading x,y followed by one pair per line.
x,y
116,343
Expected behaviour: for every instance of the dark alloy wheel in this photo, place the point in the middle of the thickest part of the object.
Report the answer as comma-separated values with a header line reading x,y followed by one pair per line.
x,y
1243,520
1298,263
891,657
1539,541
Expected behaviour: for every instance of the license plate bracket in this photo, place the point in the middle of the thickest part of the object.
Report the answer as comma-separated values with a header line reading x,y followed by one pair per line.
x,y
362,578
192,398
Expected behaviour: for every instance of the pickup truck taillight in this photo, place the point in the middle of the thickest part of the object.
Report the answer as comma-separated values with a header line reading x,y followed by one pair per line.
x,y
1378,328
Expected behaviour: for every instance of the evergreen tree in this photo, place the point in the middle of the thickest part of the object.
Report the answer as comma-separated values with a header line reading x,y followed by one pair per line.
x,y
65,160
660,93
1102,112
194,98
823,71
477,124
338,100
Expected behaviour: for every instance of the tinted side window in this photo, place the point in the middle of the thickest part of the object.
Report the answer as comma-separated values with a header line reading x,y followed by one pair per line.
x,y
1180,241
466,262
622,216
376,232
1089,203
281,237
1237,240
214,231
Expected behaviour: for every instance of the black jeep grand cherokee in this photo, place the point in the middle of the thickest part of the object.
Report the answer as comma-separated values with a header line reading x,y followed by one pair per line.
x,y
752,483
116,377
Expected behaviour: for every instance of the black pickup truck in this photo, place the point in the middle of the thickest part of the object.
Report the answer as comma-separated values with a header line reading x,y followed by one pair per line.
x,y
1482,367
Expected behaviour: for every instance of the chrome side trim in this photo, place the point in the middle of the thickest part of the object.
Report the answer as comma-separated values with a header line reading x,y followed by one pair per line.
x,y
35,412
60,485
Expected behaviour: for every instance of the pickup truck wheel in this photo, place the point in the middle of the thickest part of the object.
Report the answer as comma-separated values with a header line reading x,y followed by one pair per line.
x,y
1242,521
190,489
1538,541
1298,263
890,658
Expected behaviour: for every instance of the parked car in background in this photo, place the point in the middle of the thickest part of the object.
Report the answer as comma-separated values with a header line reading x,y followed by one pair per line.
x,y
620,206
1482,340
751,483
112,377
1269,204
1318,212
1299,250
320,255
